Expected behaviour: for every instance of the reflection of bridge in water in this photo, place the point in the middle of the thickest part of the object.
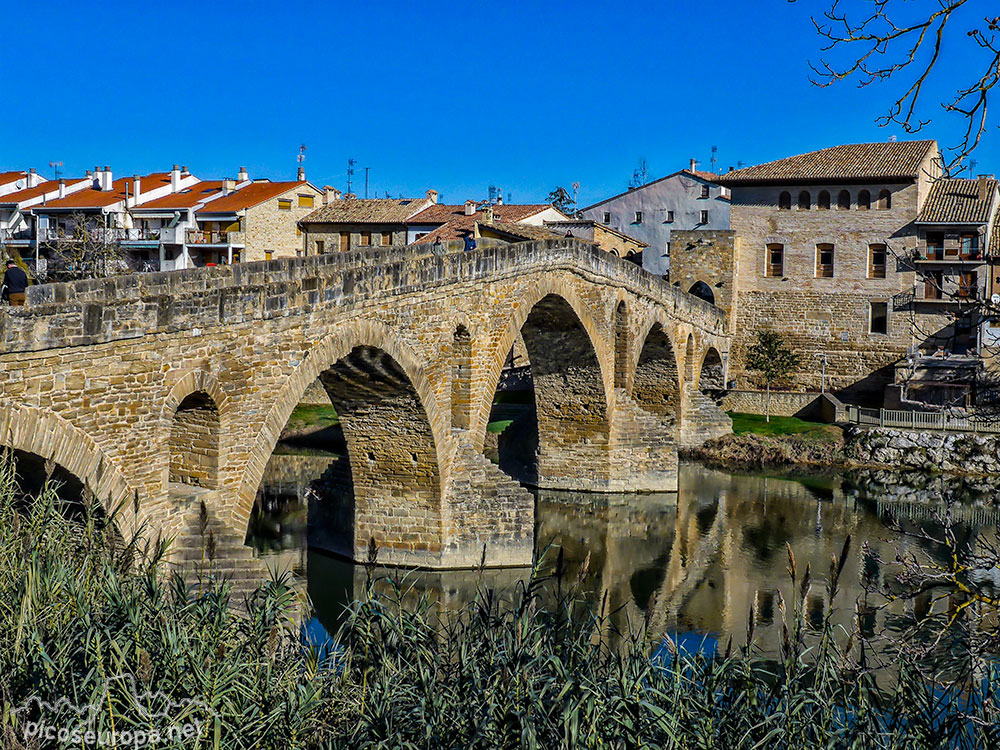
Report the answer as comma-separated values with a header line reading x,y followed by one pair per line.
x,y
691,561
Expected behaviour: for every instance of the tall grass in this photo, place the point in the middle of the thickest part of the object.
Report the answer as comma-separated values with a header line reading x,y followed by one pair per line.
x,y
90,617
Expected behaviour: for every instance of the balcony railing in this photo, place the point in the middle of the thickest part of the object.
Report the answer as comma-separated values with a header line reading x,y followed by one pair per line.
x,y
203,237
23,234
100,234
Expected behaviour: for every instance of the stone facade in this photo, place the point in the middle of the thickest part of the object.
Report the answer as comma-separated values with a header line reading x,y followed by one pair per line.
x,y
328,238
273,232
99,376
705,257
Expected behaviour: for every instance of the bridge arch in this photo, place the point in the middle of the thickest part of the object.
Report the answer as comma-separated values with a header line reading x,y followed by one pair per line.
x,y
395,431
51,437
656,383
711,373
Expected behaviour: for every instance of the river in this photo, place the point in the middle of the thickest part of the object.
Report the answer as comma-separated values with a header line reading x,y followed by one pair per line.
x,y
690,563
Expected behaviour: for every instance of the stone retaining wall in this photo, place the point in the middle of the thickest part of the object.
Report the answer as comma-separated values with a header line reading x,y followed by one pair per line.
x,y
811,406
928,451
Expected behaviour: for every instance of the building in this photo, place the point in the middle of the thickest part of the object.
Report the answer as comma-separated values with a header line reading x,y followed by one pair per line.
x,y
685,200
163,225
17,224
608,239
349,223
454,222
822,252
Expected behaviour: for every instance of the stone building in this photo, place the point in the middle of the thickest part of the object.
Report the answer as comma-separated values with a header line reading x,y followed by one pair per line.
x,y
446,223
685,200
349,223
605,237
823,253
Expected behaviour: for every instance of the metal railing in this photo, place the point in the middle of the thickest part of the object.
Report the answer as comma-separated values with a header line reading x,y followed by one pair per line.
x,y
922,420
201,237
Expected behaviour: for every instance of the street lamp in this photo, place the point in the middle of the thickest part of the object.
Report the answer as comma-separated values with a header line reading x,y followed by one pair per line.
x,y
822,389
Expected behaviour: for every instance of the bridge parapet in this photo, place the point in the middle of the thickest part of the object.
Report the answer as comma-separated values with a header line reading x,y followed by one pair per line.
x,y
123,307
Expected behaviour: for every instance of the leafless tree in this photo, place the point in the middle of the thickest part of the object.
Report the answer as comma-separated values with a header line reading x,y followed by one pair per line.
x,y
85,249
905,45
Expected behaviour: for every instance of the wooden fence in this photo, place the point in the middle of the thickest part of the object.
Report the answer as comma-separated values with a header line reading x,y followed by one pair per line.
x,y
922,420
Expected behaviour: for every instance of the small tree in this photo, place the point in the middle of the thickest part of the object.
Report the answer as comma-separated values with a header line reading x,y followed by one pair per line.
x,y
87,250
562,199
773,360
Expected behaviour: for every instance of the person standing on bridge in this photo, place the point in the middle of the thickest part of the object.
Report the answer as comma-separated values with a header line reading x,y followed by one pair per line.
x,y
15,282
470,242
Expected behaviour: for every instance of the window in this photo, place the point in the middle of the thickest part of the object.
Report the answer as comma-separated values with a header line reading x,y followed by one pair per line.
x,y
366,238
705,191
935,245
785,201
607,217
320,247
823,200
638,217
305,201
970,244
824,261
844,200
876,261
386,239
879,317
933,285
298,231
967,282
670,217
804,200
267,255
666,251
884,200
284,204
775,261
864,200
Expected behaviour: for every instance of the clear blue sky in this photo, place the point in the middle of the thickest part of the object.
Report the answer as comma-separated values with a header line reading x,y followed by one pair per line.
x,y
454,96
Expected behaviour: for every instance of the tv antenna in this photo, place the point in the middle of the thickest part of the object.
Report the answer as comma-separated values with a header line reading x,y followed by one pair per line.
x,y
366,181
972,167
56,169
715,150
576,191
350,172
302,154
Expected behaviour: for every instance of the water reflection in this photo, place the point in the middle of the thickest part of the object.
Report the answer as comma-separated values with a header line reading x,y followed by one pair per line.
x,y
694,561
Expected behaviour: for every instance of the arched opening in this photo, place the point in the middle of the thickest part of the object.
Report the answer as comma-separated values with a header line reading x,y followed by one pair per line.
x,y
823,200
556,433
621,346
194,442
703,291
804,200
864,200
689,359
844,200
712,377
657,386
884,200
461,378
785,201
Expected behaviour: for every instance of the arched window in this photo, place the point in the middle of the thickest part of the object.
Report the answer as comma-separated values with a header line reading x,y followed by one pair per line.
x,y
704,291
823,200
774,261
844,200
804,200
884,200
785,200
864,200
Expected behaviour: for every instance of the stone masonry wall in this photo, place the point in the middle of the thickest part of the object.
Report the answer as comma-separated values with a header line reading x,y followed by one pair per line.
x,y
707,256
271,229
194,442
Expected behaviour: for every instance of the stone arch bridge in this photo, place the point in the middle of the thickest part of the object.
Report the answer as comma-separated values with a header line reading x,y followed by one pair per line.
x,y
147,386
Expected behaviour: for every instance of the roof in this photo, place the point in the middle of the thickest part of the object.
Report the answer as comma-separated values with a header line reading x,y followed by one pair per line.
x,y
525,232
49,186
454,223
367,211
120,189
853,161
8,177
568,224
697,174
189,197
252,195
956,201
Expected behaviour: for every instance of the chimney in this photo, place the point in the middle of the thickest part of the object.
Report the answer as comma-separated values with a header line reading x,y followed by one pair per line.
x,y
330,194
470,208
184,172
731,169
228,186
175,179
62,188
488,215
694,165
33,178
136,187
981,187
107,178
432,195
499,197
243,175
302,174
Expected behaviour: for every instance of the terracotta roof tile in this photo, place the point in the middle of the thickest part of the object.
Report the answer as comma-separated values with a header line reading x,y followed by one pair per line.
x,y
252,195
454,223
189,197
120,189
856,161
8,177
49,186
525,232
367,211
956,201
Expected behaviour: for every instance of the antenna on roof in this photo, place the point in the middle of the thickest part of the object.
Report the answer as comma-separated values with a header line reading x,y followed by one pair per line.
x,y
972,166
492,190
576,192
715,150
366,181
740,164
56,169
350,172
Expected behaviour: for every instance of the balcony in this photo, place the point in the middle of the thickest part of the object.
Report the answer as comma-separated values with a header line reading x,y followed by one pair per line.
x,y
960,295
100,234
22,235
202,237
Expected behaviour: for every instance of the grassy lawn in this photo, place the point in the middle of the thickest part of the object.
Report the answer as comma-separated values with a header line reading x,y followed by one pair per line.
x,y
755,423
312,415
500,426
